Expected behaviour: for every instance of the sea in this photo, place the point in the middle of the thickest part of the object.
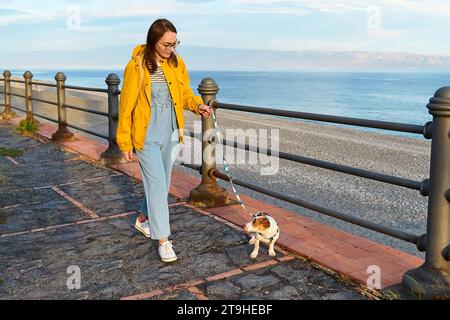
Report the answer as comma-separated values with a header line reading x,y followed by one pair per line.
x,y
387,96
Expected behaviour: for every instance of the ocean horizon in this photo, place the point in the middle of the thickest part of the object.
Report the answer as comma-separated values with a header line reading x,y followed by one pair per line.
x,y
386,96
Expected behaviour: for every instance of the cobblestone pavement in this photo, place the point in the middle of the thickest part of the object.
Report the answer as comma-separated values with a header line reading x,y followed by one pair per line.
x,y
58,210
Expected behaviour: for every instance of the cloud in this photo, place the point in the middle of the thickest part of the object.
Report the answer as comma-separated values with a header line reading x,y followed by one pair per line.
x,y
381,34
195,1
339,23
116,9
4,12
29,12
439,7
22,11
431,6
27,18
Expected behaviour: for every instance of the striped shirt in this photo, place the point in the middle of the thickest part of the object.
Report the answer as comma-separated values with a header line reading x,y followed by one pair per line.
x,y
158,75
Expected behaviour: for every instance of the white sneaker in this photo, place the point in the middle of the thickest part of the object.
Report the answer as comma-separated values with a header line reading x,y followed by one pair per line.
x,y
166,252
143,227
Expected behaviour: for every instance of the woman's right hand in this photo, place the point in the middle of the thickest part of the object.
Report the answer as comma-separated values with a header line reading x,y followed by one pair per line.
x,y
128,155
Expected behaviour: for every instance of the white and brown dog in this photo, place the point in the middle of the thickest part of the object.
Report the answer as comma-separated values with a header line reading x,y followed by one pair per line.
x,y
265,229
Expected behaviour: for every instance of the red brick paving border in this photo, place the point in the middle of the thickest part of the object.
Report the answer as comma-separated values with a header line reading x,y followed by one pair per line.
x,y
91,214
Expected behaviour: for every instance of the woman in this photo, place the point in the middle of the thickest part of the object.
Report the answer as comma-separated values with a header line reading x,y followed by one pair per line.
x,y
156,89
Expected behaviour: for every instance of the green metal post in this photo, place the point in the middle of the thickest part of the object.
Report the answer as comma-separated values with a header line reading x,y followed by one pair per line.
x,y
63,133
208,193
432,279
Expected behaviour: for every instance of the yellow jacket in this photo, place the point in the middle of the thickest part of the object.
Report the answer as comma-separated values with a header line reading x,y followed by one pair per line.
x,y
134,106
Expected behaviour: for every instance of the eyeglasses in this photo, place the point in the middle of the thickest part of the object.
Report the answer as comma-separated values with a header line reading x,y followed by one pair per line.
x,y
171,45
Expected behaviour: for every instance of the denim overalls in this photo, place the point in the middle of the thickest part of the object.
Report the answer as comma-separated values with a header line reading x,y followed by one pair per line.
x,y
156,160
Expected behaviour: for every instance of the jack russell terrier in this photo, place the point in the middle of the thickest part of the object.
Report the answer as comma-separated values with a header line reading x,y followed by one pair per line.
x,y
265,229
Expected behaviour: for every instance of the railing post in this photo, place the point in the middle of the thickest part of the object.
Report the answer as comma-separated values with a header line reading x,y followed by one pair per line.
x,y
208,193
8,113
28,93
63,133
432,279
113,154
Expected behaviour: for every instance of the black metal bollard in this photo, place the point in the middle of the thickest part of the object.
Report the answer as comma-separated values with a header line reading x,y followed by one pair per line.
x,y
208,193
432,279
63,134
113,154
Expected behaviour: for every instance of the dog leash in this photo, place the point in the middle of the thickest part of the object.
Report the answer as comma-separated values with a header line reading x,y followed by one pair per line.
x,y
227,168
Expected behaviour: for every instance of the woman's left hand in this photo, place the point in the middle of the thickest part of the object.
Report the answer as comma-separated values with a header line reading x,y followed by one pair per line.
x,y
205,110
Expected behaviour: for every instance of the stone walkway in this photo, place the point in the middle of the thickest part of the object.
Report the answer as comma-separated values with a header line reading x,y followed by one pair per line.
x,y
61,212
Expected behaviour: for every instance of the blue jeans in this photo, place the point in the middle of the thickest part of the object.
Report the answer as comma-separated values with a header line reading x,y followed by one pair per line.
x,y
156,160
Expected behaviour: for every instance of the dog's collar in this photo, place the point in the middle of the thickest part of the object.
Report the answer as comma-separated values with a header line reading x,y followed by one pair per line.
x,y
271,238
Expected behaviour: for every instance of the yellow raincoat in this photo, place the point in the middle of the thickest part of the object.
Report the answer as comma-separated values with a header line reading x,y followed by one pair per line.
x,y
134,106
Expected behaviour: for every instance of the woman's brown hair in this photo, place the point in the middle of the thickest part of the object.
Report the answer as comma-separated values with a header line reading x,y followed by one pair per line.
x,y
156,31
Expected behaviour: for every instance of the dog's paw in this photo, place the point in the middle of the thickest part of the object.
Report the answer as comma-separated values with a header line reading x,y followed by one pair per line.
x,y
253,255
272,253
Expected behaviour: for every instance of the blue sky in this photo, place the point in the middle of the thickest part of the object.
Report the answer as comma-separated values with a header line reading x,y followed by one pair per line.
x,y
419,26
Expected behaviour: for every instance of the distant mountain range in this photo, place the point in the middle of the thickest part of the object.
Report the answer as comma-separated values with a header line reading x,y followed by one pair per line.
x,y
208,58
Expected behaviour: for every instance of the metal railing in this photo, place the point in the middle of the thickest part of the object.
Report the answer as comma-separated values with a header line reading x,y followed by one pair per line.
x,y
85,88
409,128
209,87
420,186
112,154
436,241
